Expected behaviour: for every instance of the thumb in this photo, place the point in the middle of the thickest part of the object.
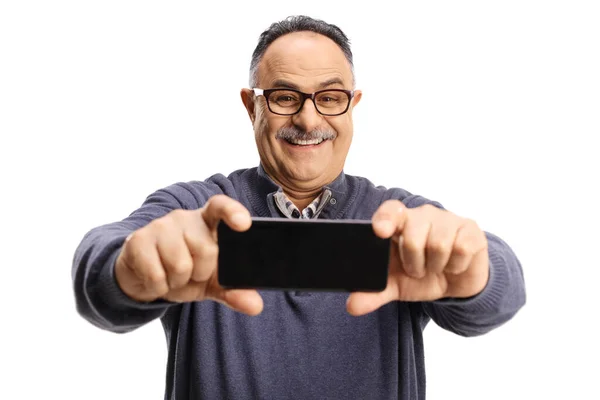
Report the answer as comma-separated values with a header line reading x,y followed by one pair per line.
x,y
223,208
247,301
361,303
389,219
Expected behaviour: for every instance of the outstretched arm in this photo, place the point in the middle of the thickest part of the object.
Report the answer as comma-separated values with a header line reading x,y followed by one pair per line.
x,y
129,273
467,280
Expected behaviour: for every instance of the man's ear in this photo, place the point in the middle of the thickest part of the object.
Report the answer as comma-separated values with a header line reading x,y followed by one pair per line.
x,y
357,97
248,100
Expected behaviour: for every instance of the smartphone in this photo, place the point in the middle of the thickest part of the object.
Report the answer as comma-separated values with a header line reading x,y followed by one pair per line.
x,y
297,254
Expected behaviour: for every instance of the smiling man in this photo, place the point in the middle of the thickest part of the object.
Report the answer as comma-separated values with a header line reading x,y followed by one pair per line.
x,y
161,261
302,144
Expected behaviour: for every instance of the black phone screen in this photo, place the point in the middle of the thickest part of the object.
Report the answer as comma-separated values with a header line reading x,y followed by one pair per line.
x,y
328,255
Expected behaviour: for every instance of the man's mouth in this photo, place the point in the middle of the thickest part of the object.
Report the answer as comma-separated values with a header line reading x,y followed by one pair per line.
x,y
298,142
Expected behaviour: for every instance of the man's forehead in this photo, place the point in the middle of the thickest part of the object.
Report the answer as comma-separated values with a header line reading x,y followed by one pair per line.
x,y
305,58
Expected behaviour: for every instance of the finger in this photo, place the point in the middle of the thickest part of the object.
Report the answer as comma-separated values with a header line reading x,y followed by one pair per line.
x,y
246,301
140,255
470,240
200,245
473,280
412,246
223,208
389,218
361,303
205,252
174,255
440,242
188,293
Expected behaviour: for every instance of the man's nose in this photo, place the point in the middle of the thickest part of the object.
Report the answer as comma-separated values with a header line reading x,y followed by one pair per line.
x,y
308,118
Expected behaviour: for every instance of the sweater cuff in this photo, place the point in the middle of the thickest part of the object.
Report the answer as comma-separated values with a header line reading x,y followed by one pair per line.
x,y
112,295
488,299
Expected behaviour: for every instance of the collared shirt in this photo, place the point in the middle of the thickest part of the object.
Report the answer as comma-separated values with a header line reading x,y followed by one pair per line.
x,y
289,209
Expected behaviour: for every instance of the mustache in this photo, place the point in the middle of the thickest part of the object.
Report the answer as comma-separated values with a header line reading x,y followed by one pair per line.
x,y
295,133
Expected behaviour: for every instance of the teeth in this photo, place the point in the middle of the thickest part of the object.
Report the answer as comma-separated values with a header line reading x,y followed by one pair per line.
x,y
306,142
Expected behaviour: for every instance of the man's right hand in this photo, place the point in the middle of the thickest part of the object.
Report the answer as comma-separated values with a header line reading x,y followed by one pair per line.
x,y
175,257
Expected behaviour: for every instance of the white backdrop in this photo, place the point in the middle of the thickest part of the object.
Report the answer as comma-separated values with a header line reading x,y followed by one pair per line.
x,y
491,108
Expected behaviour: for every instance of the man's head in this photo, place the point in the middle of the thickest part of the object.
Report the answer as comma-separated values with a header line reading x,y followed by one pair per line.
x,y
307,149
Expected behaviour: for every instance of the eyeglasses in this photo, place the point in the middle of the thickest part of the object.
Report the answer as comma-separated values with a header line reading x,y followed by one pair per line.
x,y
329,102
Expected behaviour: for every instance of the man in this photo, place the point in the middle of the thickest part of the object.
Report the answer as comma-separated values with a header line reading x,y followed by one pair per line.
x,y
161,261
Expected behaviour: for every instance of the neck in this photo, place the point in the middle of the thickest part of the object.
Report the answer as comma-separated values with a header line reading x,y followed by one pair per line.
x,y
301,199
299,195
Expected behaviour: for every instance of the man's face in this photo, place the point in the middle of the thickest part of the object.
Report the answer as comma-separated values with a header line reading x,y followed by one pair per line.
x,y
307,62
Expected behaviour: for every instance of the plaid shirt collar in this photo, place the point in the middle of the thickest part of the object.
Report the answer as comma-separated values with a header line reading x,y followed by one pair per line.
x,y
290,210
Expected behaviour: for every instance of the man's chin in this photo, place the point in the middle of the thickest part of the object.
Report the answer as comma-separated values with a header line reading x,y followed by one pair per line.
x,y
306,176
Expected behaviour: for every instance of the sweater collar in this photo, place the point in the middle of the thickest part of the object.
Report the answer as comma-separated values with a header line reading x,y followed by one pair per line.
x,y
341,193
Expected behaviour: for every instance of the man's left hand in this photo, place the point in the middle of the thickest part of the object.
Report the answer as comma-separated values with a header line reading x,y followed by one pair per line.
x,y
434,254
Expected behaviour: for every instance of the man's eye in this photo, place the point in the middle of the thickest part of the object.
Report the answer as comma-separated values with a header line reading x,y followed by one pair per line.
x,y
329,99
285,99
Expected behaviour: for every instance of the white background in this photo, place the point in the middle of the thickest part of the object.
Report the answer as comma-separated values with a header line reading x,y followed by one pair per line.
x,y
491,108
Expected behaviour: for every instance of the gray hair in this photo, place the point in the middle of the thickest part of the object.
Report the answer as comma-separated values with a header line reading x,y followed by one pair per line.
x,y
298,23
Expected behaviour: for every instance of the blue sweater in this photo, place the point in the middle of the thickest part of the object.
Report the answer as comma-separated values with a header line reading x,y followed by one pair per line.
x,y
303,345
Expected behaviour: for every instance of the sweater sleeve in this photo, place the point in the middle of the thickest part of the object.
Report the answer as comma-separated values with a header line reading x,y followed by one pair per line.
x,y
98,297
500,300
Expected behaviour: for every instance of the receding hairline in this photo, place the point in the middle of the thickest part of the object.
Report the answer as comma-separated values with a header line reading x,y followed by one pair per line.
x,y
326,83
311,34
299,24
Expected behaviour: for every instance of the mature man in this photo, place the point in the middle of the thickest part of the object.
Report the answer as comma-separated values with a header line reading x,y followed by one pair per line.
x,y
161,261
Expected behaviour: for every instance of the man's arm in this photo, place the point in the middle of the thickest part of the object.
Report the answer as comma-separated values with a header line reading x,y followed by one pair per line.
x,y
502,297
468,281
99,298
129,273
